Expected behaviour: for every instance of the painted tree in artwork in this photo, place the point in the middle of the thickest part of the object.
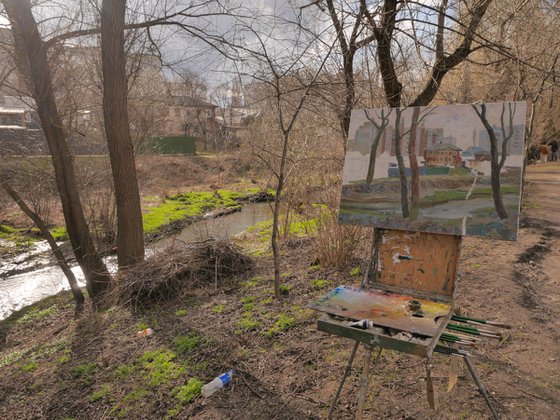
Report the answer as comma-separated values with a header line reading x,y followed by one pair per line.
x,y
497,157
415,172
400,163
379,127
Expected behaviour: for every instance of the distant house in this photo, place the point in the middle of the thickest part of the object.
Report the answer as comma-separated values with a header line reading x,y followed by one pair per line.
x,y
20,134
443,155
190,116
474,156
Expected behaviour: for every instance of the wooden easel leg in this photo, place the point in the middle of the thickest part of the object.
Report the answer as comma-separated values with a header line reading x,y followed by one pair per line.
x,y
346,372
430,385
481,388
364,383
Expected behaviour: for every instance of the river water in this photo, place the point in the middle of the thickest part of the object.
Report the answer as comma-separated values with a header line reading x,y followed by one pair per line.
x,y
20,290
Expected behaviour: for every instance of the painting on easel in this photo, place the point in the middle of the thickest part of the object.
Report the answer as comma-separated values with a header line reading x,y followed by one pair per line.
x,y
453,169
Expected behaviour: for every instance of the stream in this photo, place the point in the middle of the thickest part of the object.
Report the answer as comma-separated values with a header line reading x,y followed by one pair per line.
x,y
20,290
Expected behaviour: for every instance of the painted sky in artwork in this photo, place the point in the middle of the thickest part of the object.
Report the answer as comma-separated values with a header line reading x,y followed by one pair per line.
x,y
447,169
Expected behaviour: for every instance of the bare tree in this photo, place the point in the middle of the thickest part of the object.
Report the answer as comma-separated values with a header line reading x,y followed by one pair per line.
x,y
33,63
130,234
497,157
384,117
60,259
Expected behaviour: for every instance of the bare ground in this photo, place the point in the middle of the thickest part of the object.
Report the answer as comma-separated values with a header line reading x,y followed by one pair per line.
x,y
294,373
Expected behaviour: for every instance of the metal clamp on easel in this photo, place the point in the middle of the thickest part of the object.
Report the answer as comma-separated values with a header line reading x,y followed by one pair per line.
x,y
406,299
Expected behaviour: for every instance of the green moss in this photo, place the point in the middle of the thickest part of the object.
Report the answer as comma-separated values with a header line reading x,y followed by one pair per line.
x,y
218,309
11,358
129,402
159,367
247,323
59,233
267,301
21,238
315,267
181,312
124,371
355,272
141,326
248,299
319,284
186,393
84,372
100,393
34,314
187,342
190,205
249,306
283,323
284,289
29,367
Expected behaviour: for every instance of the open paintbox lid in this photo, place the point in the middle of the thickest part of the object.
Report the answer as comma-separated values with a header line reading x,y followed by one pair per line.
x,y
418,264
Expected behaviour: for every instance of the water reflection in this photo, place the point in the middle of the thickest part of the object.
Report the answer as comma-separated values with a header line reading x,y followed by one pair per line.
x,y
21,290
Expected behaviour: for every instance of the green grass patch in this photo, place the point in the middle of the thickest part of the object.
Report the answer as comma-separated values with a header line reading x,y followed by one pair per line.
x,y
443,196
355,272
125,371
283,323
218,309
100,393
319,283
247,323
181,312
35,314
190,205
84,372
129,402
160,367
11,358
21,238
29,367
186,343
487,191
59,233
188,392
248,299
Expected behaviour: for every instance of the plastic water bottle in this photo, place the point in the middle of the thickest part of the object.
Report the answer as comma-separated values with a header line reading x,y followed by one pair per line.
x,y
217,383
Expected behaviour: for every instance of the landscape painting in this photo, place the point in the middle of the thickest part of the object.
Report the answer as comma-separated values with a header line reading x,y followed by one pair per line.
x,y
453,169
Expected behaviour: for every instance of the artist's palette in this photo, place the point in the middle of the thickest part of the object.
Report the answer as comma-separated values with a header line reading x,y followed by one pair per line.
x,y
383,308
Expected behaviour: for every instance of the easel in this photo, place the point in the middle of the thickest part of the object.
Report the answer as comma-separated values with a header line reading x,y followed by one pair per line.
x,y
408,268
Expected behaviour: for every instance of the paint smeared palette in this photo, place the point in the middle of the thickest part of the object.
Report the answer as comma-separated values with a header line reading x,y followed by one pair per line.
x,y
385,309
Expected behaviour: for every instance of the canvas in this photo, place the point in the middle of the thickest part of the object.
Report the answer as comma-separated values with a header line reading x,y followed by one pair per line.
x,y
453,169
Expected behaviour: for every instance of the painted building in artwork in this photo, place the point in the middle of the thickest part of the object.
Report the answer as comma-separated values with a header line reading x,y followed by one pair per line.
x,y
443,155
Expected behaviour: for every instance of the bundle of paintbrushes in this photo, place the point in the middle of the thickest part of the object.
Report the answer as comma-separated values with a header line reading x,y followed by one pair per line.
x,y
463,334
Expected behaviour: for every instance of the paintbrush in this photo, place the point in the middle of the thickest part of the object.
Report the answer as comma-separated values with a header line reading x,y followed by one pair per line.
x,y
457,336
451,351
456,341
468,320
473,331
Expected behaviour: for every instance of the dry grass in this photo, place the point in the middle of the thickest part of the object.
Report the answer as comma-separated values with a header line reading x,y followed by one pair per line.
x,y
171,271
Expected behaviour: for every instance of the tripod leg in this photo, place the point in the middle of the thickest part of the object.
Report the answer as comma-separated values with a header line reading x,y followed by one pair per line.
x,y
346,372
481,387
364,383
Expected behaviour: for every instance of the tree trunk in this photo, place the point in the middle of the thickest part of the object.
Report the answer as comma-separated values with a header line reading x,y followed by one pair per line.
x,y
130,234
32,60
401,165
76,291
415,172
372,156
495,167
